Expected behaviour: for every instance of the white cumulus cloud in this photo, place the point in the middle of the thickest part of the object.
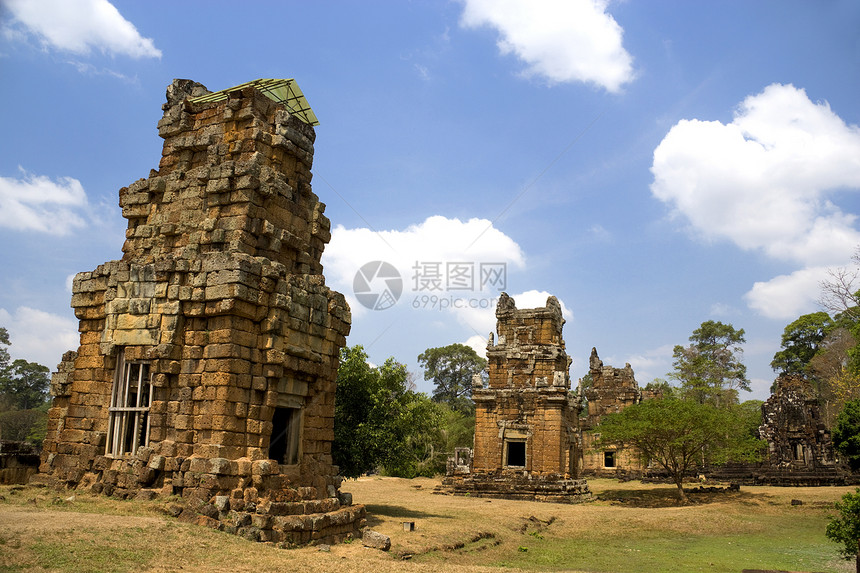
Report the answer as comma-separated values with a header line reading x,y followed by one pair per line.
x,y
80,26
37,203
39,336
436,244
787,296
765,181
560,40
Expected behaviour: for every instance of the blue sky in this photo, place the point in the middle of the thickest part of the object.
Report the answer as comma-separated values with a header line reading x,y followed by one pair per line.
x,y
653,165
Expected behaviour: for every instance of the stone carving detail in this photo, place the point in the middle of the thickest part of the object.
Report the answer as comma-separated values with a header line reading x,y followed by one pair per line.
x,y
208,353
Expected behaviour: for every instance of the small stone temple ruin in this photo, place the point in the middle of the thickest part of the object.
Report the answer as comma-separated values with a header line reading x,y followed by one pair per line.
x,y
611,390
208,353
525,426
797,438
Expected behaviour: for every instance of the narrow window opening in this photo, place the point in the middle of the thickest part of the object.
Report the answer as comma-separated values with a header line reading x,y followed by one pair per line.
x,y
516,454
286,433
798,453
609,459
128,423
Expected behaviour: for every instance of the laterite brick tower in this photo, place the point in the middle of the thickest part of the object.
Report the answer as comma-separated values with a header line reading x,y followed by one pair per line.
x,y
208,353
525,425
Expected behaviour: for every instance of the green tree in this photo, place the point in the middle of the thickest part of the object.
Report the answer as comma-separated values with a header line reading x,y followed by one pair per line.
x,y
380,423
451,369
710,369
845,527
749,416
840,296
458,430
17,425
23,395
846,433
800,342
25,384
4,353
679,435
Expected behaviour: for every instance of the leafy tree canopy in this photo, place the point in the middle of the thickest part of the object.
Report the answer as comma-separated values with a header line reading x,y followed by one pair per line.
x,y
23,385
800,342
4,353
379,422
710,369
845,527
846,433
451,369
679,435
23,394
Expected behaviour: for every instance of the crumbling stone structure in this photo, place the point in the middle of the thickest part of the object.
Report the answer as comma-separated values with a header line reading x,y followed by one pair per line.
x,y
611,390
18,461
797,438
208,353
525,426
799,447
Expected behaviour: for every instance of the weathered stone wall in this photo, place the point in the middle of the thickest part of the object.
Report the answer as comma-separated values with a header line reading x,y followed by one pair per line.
x,y
220,293
611,390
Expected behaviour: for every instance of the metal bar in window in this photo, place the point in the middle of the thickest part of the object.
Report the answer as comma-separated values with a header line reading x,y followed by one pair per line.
x,y
120,435
126,376
111,437
139,386
135,441
146,435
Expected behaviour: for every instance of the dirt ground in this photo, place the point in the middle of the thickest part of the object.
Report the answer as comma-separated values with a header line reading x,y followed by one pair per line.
x,y
43,531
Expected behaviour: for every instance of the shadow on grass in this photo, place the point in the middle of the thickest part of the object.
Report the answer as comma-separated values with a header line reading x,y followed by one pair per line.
x,y
668,497
374,511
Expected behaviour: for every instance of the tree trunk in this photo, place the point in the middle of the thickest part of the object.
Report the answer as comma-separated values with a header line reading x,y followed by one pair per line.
x,y
683,497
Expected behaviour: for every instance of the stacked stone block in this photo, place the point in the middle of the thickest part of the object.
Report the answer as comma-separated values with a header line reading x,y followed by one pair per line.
x,y
525,426
220,294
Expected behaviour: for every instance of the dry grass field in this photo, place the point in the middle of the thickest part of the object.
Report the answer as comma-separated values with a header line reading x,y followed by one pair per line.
x,y
631,527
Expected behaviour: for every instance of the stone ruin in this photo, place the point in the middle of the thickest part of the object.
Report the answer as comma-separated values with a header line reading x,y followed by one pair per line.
x,y
525,427
530,439
799,447
798,442
611,390
208,353
18,462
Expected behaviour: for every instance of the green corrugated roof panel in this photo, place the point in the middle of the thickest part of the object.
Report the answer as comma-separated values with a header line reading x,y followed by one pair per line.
x,y
285,91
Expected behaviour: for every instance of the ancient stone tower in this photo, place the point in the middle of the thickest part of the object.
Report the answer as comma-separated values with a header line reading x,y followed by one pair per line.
x,y
208,353
525,426
611,390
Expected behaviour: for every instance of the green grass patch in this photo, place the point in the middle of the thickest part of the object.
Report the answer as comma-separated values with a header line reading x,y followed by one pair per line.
x,y
121,550
799,546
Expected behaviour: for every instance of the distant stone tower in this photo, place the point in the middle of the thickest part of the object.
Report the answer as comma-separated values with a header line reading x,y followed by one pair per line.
x,y
208,354
611,390
525,425
797,438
